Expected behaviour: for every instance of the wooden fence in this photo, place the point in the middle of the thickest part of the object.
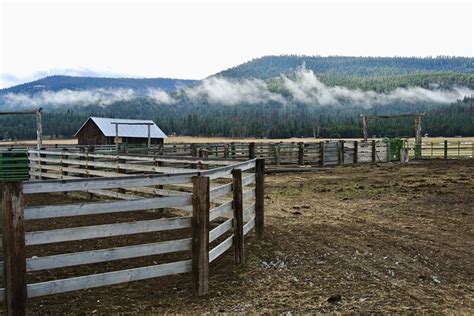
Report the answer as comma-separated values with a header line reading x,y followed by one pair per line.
x,y
325,153
444,149
212,208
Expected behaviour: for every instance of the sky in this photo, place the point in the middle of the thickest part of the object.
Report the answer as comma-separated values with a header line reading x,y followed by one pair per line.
x,y
195,39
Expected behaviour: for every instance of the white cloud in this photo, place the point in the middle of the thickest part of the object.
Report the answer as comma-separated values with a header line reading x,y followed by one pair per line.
x,y
218,90
101,97
160,96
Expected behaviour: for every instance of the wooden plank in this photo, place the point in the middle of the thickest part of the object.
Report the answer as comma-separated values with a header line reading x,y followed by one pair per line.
x,y
104,183
200,239
227,170
63,210
172,159
248,194
108,278
104,255
14,250
238,204
220,210
220,191
220,230
248,180
259,197
249,225
107,230
221,248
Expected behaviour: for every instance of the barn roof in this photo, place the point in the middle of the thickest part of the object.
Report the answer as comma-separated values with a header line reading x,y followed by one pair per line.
x,y
138,131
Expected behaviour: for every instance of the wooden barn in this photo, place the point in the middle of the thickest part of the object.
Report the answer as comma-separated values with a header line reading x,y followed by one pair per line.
x,y
102,131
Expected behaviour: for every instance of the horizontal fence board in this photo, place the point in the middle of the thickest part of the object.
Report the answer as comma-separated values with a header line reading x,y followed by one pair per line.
x,y
104,255
220,230
107,230
108,278
30,187
52,211
221,248
220,210
249,225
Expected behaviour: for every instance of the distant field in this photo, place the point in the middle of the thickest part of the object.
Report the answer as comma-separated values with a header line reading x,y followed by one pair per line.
x,y
190,139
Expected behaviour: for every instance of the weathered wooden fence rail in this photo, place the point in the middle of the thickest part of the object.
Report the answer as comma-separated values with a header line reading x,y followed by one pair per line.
x,y
178,156
216,207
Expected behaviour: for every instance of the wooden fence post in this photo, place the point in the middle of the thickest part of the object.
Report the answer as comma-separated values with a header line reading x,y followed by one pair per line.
x,y
232,149
238,206
226,151
203,153
300,154
445,149
341,157
356,151
251,150
373,150
64,165
14,252
119,170
200,239
277,154
389,156
321,154
259,197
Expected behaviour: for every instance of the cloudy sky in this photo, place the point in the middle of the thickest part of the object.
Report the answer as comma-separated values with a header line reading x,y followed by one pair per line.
x,y
195,39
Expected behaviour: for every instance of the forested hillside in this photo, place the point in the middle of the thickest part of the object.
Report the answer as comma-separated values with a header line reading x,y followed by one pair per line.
x,y
271,66
57,83
298,96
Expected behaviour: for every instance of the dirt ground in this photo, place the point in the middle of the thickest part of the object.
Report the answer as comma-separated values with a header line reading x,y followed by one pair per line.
x,y
363,239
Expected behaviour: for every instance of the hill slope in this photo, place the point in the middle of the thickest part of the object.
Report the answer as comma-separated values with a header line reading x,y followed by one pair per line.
x,y
271,66
57,83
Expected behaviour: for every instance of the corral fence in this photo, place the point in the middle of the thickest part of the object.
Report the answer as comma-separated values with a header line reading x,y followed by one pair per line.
x,y
214,205
324,153
444,149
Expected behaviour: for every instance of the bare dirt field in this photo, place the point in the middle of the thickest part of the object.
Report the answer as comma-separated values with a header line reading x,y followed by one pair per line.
x,y
363,239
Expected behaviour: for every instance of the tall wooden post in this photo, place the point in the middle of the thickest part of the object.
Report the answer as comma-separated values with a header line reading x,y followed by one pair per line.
x,y
389,155
238,207
418,137
39,129
259,197
200,238
226,150
232,149
300,154
14,261
251,150
356,151
374,151
321,154
277,154
203,153
445,149
365,127
341,152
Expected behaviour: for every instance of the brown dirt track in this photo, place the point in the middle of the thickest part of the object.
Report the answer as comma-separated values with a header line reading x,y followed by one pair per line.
x,y
386,238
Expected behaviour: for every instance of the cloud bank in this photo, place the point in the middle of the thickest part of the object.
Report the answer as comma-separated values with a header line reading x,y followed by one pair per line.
x,y
101,97
302,86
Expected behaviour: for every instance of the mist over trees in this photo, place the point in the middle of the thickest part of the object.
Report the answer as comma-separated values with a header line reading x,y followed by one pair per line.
x,y
270,97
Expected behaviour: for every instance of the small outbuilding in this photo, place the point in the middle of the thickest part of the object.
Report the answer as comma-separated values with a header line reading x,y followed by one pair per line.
x,y
103,131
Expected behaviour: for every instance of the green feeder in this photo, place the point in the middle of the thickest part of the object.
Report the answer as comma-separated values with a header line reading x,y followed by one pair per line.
x,y
14,165
396,144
